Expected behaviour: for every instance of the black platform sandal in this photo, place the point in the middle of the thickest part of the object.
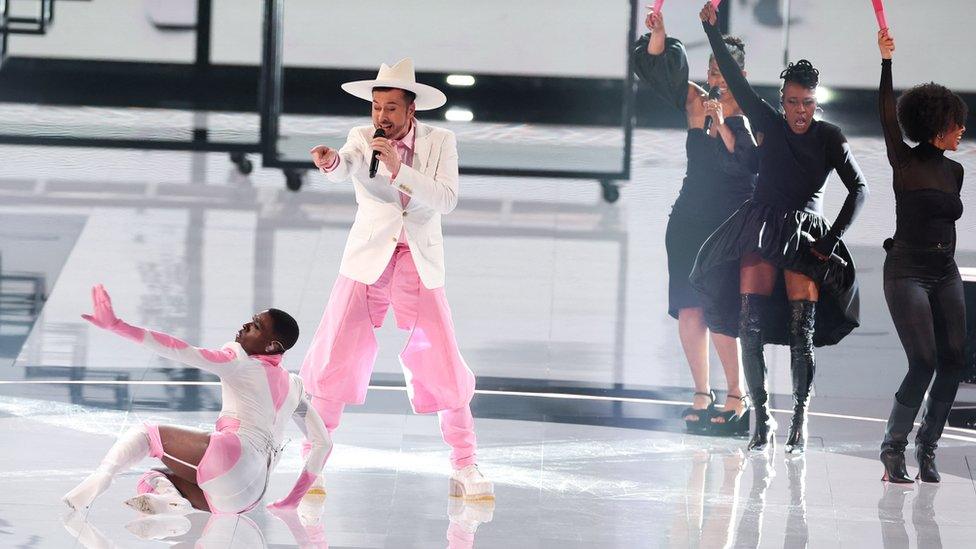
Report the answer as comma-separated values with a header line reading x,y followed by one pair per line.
x,y
734,424
703,423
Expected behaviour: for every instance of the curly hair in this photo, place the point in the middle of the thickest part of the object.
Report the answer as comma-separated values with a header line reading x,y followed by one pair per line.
x,y
928,110
736,47
803,73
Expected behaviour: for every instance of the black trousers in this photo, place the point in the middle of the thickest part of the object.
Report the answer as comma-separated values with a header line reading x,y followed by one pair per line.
x,y
925,297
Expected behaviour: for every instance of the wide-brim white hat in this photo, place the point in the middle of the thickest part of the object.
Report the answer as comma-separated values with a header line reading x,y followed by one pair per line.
x,y
402,76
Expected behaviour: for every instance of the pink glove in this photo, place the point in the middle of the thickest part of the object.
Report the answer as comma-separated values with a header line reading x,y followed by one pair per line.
x,y
104,317
295,496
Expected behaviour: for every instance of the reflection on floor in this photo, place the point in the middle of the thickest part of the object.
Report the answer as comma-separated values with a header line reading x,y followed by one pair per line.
x,y
558,485
33,249
559,301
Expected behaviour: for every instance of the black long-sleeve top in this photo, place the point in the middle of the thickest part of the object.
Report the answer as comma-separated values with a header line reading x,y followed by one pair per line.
x,y
793,168
716,181
666,73
926,183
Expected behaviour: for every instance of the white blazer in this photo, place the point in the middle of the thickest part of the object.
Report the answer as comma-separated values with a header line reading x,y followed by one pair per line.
x,y
432,183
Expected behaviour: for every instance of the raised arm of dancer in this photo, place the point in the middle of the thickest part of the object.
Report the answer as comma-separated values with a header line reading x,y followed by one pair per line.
x,y
216,362
662,62
439,192
313,428
898,150
841,158
758,111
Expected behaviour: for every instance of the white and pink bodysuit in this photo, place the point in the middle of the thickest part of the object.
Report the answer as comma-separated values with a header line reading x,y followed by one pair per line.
x,y
258,395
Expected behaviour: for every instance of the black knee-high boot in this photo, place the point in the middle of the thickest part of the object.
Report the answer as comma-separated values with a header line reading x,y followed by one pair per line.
x,y
927,439
754,366
802,367
900,423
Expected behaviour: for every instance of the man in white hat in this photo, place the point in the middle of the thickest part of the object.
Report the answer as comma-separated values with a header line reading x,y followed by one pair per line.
x,y
395,255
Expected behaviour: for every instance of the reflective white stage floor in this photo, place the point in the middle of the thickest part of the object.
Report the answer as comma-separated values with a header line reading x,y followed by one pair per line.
x,y
557,484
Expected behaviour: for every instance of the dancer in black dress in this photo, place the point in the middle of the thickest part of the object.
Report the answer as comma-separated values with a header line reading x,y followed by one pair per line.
x,y
721,175
921,281
781,229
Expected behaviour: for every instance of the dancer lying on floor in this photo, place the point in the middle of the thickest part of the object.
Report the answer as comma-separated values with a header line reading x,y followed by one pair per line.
x,y
226,471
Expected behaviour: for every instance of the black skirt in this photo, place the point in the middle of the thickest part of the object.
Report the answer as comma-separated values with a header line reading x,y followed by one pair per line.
x,y
684,237
776,235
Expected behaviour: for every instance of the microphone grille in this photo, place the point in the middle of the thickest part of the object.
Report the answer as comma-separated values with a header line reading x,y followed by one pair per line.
x,y
379,133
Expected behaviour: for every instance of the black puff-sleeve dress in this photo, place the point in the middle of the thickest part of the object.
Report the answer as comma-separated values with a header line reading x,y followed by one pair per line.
x,y
787,202
716,182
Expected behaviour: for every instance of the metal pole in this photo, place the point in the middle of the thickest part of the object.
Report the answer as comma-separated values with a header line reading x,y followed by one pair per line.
x,y
272,78
204,12
630,90
786,32
4,15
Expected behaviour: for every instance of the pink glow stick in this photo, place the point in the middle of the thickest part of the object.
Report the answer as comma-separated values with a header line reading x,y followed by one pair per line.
x,y
657,6
879,13
715,3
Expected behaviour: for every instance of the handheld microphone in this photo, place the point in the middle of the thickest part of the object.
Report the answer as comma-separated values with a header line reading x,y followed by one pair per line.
x,y
833,255
374,162
838,259
713,93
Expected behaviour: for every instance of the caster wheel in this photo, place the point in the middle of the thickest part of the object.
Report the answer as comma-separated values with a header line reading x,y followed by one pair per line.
x,y
240,160
293,180
610,191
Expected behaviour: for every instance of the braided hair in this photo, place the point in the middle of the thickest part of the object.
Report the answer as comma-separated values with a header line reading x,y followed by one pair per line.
x,y
803,73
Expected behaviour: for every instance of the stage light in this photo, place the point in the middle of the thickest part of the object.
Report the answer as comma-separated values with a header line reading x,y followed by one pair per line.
x,y
824,94
459,115
460,80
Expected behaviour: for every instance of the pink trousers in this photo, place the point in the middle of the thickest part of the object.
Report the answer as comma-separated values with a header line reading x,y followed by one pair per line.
x,y
338,365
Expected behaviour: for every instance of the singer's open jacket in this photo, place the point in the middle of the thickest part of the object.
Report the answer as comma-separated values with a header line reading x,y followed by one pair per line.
x,y
432,183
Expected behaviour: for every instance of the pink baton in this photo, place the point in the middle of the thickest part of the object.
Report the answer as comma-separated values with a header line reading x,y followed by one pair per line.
x,y
879,13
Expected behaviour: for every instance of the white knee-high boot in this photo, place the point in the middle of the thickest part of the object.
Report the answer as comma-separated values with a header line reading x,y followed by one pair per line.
x,y
128,450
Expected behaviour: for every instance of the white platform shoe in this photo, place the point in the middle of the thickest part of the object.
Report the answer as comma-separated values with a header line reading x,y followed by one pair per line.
x,y
470,484
165,499
160,504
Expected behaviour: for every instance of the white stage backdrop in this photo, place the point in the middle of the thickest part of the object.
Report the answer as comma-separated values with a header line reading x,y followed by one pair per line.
x,y
579,38
934,38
